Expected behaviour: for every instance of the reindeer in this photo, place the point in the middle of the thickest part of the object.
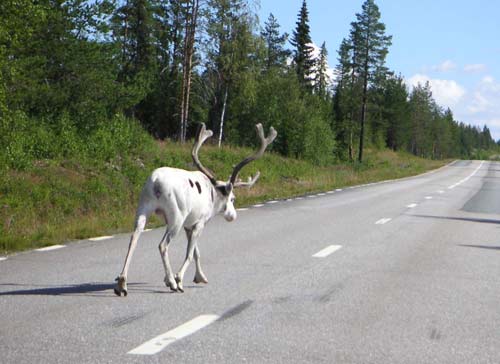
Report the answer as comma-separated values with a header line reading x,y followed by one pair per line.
x,y
187,199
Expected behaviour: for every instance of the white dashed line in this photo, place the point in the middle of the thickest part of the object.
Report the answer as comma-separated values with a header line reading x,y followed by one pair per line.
x,y
440,191
101,238
299,198
146,230
259,205
271,202
49,248
312,196
327,251
160,342
242,209
338,190
321,194
383,221
428,197
412,205
3,258
330,192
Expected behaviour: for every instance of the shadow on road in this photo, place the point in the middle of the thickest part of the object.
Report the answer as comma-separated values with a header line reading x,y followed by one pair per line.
x,y
468,219
481,246
84,289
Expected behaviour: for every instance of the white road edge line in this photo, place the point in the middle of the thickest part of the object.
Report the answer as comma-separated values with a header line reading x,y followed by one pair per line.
x,y
412,205
160,342
466,178
327,251
258,205
383,221
101,238
49,248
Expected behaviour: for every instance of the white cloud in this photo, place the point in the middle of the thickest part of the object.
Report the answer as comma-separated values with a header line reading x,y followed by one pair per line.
x,y
484,107
473,68
447,93
479,103
446,66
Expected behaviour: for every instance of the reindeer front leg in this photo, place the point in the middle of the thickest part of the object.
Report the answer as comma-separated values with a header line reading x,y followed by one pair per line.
x,y
199,276
163,247
192,236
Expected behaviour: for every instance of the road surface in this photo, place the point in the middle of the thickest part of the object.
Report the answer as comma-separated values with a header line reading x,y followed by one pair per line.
x,y
403,271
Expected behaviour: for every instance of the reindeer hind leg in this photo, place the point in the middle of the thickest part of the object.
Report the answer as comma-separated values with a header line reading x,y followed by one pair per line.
x,y
121,286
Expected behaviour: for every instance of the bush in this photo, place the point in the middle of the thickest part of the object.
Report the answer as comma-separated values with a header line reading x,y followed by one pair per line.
x,y
319,142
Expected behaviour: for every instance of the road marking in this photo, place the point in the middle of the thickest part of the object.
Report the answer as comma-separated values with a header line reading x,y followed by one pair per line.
x,y
466,178
101,238
327,251
383,221
330,192
428,197
259,205
321,194
312,196
242,209
338,190
146,230
3,258
299,198
160,342
49,248
440,191
412,205
271,202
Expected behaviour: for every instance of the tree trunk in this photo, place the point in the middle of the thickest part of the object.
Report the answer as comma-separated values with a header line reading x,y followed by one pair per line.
x,y
222,117
189,40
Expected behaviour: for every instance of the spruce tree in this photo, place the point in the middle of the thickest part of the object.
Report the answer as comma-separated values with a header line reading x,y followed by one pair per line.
x,y
322,80
275,44
301,40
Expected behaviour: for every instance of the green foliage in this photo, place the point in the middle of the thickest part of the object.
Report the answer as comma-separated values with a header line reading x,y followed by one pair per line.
x,y
319,142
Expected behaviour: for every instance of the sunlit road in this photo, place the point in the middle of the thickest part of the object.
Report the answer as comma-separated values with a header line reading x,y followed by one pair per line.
x,y
405,271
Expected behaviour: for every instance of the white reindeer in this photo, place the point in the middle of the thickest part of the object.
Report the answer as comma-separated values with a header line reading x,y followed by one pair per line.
x,y
187,199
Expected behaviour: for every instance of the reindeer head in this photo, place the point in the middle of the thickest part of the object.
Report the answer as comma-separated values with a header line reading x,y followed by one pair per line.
x,y
225,190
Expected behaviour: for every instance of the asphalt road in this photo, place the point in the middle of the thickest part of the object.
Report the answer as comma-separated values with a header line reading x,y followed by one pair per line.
x,y
410,274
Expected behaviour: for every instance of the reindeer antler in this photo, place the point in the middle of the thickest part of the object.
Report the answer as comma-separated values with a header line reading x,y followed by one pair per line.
x,y
202,135
264,143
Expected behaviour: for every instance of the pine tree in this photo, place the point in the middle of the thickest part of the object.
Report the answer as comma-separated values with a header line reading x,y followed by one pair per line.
x,y
303,54
370,47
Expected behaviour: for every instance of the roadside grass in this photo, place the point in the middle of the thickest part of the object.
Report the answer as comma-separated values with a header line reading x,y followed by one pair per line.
x,y
60,200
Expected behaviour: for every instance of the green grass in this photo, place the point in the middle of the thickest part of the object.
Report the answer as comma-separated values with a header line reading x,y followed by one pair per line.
x,y
55,201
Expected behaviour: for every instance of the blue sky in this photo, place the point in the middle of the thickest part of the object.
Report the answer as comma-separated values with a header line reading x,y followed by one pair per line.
x,y
453,44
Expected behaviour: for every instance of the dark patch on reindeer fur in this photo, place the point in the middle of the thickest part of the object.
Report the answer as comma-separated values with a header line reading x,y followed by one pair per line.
x,y
191,183
157,189
198,186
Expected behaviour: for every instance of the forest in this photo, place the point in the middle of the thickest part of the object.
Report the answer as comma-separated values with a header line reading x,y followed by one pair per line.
x,y
80,78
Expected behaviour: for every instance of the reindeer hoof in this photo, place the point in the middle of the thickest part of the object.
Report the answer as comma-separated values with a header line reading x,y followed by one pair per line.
x,y
200,278
179,283
171,284
121,286
119,292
